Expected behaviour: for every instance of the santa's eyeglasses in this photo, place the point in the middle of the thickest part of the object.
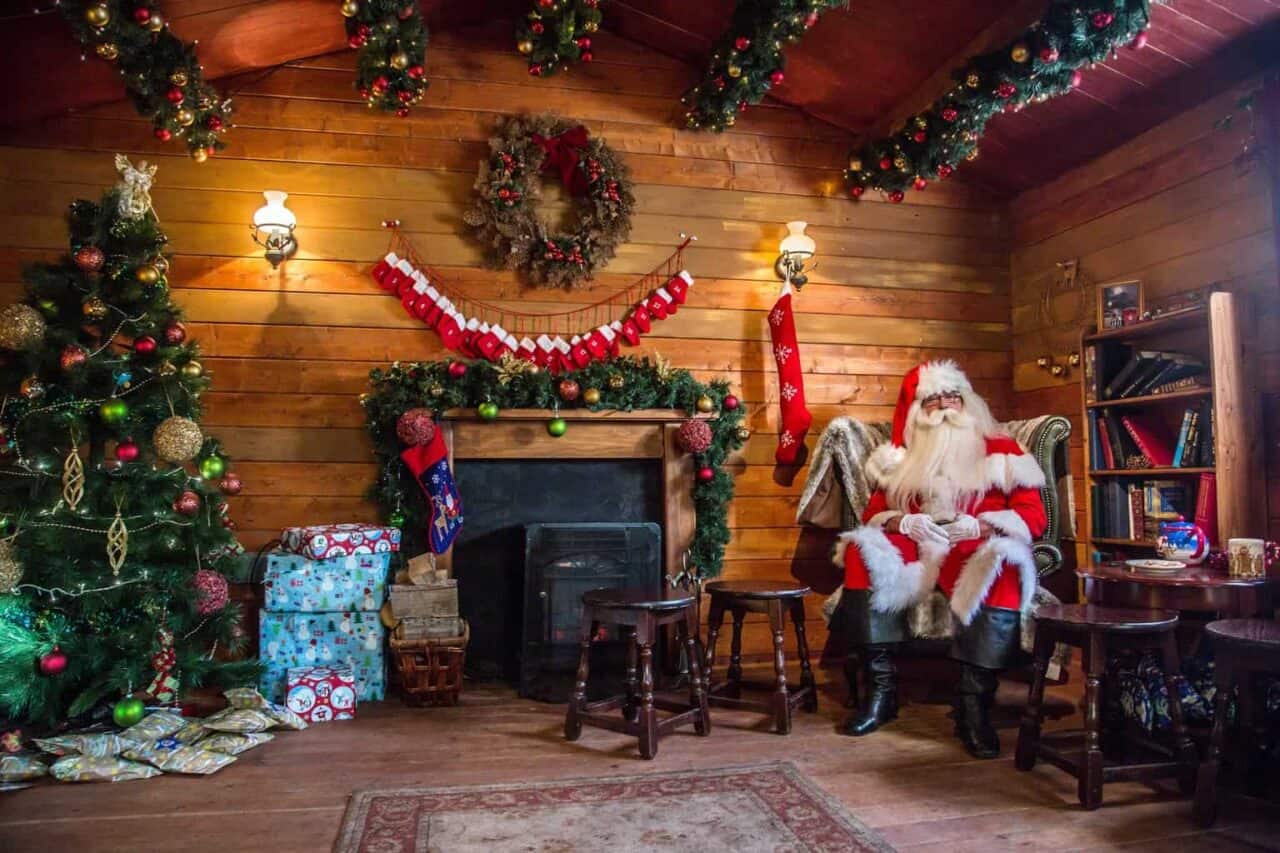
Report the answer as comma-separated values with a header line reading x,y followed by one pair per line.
x,y
947,400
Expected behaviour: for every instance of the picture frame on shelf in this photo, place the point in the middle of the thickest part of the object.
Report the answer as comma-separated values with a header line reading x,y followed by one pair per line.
x,y
1120,304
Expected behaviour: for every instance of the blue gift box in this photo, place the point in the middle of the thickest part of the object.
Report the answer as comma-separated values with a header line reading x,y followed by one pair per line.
x,y
350,638
294,583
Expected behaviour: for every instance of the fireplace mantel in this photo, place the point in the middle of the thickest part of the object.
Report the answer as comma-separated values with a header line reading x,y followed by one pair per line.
x,y
640,434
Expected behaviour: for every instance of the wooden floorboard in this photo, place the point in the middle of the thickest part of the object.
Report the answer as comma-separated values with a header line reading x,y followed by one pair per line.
x,y
911,781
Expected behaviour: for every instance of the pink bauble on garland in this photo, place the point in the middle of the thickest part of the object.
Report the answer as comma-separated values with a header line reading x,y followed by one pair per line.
x,y
416,426
211,591
694,436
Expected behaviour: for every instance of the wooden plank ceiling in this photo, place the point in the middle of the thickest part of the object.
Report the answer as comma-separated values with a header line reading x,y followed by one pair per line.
x,y
861,68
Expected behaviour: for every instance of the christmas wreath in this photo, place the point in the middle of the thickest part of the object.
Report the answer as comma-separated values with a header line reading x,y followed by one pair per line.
x,y
505,213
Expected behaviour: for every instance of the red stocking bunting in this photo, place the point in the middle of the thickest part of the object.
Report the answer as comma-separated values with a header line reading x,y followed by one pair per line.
x,y
786,352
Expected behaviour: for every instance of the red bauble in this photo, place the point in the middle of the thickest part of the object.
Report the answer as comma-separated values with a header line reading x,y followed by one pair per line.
x,y
364,30
380,83
416,426
1139,41
142,14
144,345
857,190
1006,90
230,483
586,56
416,72
211,591
73,355
355,42
777,77
1048,54
174,95
54,662
810,20
886,164
742,43
946,170
537,28
404,96
163,134
403,112
1102,20
920,183
730,403
457,369
89,258
742,106
583,42
706,474
406,12
546,4
214,123
920,136
950,114
1076,78
569,390
694,436
175,333
127,450
187,503
897,196
535,70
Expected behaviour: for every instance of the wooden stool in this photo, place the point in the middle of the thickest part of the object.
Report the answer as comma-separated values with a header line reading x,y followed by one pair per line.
x,y
775,598
641,615
1092,629
1241,647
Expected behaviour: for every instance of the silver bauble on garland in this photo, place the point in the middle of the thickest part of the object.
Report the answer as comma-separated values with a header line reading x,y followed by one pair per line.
x,y
177,439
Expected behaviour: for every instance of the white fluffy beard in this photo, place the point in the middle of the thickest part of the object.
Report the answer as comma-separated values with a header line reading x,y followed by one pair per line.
x,y
944,469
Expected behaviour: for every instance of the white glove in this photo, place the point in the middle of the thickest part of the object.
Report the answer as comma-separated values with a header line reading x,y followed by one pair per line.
x,y
964,527
923,529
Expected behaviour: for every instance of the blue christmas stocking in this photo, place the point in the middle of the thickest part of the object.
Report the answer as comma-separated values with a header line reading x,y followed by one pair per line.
x,y
430,466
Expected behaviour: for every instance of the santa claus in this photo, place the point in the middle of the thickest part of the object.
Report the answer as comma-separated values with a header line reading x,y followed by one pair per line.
x,y
956,506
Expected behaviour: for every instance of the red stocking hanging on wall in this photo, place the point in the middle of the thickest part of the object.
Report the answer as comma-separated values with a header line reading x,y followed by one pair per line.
x,y
786,352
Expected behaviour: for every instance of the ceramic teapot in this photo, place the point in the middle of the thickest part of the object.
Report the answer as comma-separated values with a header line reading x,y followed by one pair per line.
x,y
1182,540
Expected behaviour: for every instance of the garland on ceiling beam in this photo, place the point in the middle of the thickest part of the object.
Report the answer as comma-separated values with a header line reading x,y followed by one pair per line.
x,y
160,72
747,60
391,39
557,34
1040,64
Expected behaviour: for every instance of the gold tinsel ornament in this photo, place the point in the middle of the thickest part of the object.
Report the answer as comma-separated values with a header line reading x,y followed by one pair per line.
x,y
509,367
93,308
177,439
661,367
73,475
117,543
10,566
21,327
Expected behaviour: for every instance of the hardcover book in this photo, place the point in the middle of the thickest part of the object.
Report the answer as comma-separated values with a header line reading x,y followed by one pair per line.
x,y
1152,442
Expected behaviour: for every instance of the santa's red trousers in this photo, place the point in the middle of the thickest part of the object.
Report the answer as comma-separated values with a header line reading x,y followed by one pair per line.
x,y
1005,593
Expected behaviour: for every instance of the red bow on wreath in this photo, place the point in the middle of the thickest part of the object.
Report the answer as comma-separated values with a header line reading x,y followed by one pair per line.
x,y
564,153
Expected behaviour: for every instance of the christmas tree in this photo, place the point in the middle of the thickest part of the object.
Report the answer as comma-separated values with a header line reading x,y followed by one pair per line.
x,y
112,517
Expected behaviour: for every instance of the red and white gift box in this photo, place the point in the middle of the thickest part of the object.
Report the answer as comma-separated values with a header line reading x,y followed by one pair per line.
x,y
322,541
319,694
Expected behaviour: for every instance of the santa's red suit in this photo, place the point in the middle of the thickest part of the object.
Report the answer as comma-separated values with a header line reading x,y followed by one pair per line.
x,y
975,548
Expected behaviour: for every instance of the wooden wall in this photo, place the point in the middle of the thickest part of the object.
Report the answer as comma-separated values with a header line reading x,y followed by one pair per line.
x,y
1179,208
290,350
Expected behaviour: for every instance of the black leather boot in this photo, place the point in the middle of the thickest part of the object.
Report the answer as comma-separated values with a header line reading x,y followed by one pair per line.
x,y
983,647
871,637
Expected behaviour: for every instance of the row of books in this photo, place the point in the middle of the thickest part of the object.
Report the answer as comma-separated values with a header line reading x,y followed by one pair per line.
x,y
1146,372
1139,440
1133,510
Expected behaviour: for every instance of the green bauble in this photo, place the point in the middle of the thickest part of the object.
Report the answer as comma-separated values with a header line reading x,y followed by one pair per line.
x,y
212,467
396,518
557,427
113,411
487,410
128,712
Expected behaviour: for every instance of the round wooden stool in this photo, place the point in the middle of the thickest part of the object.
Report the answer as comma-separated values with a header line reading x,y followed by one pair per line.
x,y
1241,647
641,615
777,599
1094,630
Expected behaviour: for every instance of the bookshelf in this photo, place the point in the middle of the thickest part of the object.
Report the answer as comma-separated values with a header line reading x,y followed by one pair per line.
x,y
1126,417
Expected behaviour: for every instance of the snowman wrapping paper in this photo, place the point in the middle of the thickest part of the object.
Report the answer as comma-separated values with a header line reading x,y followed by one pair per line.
x,y
293,583
353,639
319,694
320,541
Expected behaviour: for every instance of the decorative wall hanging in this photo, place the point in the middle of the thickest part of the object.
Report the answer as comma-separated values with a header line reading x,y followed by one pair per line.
x,y
161,74
392,42
557,34
562,341
1040,64
625,384
747,59
505,213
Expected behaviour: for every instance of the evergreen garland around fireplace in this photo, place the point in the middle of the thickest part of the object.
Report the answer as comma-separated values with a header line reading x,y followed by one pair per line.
x,y
619,384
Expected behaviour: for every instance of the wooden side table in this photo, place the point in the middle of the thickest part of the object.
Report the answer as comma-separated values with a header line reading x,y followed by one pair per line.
x,y
1196,589
777,599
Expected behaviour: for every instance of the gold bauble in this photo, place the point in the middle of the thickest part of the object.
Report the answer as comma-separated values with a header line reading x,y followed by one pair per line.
x,y
107,51
166,368
147,274
973,81
31,388
922,122
972,155
616,382
706,404
734,71
193,369
591,396
156,22
199,155
179,78
399,60
436,390
350,8
93,308
98,16
21,327
742,433
855,165
591,26
177,439
1019,53
10,568
524,46
900,163
185,117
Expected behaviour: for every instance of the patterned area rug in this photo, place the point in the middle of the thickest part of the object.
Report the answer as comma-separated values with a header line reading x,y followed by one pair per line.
x,y
757,807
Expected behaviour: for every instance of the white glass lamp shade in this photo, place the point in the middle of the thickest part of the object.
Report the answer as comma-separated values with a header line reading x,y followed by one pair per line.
x,y
797,243
274,216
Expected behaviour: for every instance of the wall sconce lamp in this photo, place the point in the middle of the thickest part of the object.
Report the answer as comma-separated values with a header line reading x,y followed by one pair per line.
x,y
1056,368
273,225
795,248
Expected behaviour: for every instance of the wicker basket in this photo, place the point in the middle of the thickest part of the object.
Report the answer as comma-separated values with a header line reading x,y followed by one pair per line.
x,y
431,669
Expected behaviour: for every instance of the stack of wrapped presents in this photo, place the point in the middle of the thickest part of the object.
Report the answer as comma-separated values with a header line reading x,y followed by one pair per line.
x,y
322,642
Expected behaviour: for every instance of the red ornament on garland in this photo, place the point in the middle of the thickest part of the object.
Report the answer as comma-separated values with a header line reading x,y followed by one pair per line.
x,y
457,369
144,345
777,77
537,28
742,43
568,390
380,83
920,184
187,503
1076,78
586,56
946,170
163,134
857,191
89,258
404,96
416,72
356,42
950,113
141,14
1006,90
583,42
54,662
1139,41
535,70
214,123
885,164
230,483
211,591
127,450
1048,54
920,136
73,355
706,474
897,196
810,20
730,403
402,112
694,436
175,333
174,95
1102,20
416,426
